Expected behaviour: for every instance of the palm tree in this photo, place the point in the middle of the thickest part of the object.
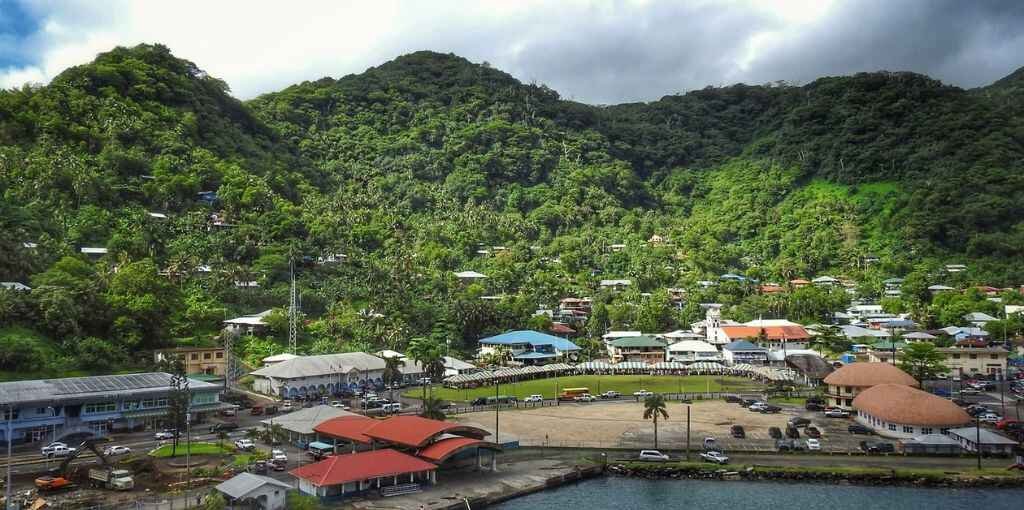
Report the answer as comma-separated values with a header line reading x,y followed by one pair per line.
x,y
430,355
433,408
222,435
392,373
272,432
654,407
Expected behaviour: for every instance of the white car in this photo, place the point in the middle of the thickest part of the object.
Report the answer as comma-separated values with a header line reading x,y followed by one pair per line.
x,y
642,393
278,456
992,418
534,398
286,405
165,434
393,407
113,451
813,445
757,407
337,404
424,381
716,457
245,444
654,455
60,451
837,413
50,448
586,397
611,394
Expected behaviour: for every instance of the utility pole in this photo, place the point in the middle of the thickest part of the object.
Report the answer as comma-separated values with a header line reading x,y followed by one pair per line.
x,y
7,486
497,406
293,328
977,439
687,433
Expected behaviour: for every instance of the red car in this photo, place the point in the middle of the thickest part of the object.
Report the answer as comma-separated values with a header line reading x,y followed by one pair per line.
x,y
1007,423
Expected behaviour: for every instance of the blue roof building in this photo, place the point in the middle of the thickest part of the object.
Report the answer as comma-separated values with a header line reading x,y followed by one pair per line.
x,y
530,347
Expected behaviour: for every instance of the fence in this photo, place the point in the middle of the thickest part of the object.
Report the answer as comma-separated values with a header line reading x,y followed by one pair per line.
x,y
672,397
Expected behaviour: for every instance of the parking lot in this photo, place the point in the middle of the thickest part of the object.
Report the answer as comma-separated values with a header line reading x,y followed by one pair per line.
x,y
621,425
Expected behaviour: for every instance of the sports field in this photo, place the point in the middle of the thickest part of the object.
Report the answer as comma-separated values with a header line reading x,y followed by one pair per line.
x,y
625,384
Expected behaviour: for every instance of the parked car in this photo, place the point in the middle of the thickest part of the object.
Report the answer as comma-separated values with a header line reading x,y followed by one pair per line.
x,y
837,413
797,421
586,397
879,447
747,402
223,427
278,455
733,399
970,391
812,431
857,428
270,410
339,405
770,409
1008,424
775,432
653,455
991,418
738,432
757,407
784,445
710,444
642,393
534,398
245,444
114,451
715,457
165,434
813,445
256,410
479,401
816,400
287,405
611,394
792,432
393,407
228,412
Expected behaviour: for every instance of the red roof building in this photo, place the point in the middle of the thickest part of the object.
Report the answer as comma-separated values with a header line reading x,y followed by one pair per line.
x,y
351,429
440,451
559,328
788,333
338,475
417,432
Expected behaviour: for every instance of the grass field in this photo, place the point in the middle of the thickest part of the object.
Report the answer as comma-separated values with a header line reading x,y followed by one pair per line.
x,y
625,384
197,449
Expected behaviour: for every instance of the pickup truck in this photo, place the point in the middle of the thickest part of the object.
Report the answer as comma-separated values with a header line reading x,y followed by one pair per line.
x,y
116,479
534,398
48,449
586,397
611,394
642,393
245,444
60,451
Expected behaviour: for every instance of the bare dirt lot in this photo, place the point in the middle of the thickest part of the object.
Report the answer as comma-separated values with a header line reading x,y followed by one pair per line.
x,y
621,424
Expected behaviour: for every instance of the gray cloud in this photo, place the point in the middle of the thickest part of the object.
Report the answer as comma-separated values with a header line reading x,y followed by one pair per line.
x,y
596,51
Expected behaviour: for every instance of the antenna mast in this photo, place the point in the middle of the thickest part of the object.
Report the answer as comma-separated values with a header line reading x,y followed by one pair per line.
x,y
293,328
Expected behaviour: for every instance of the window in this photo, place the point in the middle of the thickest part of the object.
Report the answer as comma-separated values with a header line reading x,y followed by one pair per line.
x,y
926,430
849,402
908,430
101,407
128,405
220,355
974,356
956,356
195,356
207,355
892,427
848,389
944,432
41,410
993,356
204,398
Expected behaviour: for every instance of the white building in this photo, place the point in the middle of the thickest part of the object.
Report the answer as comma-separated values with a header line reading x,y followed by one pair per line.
x,y
692,351
247,490
319,375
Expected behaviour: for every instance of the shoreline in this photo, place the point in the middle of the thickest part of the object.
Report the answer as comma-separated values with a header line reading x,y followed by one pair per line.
x,y
830,475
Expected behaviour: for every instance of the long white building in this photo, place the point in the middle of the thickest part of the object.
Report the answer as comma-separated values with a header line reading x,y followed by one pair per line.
x,y
324,374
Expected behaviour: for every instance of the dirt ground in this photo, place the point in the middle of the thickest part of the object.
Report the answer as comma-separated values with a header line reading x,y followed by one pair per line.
x,y
621,424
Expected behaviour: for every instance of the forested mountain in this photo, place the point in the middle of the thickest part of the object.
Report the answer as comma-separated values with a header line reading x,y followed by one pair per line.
x,y
415,168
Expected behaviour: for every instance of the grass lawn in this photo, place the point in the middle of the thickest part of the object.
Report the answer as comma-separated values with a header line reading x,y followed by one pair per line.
x,y
197,449
788,400
625,384
899,473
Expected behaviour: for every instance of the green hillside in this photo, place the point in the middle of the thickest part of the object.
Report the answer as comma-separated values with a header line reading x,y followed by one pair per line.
x,y
413,167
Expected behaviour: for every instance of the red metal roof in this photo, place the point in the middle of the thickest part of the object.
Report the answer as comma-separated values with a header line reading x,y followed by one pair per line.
x,y
447,447
339,469
416,432
350,428
558,327
773,332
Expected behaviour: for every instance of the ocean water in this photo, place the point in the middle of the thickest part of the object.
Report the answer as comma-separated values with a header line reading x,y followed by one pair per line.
x,y
614,493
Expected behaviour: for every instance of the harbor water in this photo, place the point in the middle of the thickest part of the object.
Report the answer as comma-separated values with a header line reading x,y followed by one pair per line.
x,y
615,493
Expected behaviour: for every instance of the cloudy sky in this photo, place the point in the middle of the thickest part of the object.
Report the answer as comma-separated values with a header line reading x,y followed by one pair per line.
x,y
597,51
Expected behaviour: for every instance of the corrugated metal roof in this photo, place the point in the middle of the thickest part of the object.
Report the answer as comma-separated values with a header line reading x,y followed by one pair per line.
x,y
533,338
242,484
82,387
311,366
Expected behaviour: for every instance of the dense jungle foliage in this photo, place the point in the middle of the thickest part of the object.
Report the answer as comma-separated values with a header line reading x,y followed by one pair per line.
x,y
414,168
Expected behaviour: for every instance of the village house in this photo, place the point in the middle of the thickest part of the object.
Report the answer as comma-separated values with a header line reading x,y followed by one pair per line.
x,y
693,351
645,349
970,361
248,324
530,347
616,285
971,439
742,351
248,490
197,360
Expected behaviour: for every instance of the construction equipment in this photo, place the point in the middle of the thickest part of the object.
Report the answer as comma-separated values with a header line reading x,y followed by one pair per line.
x,y
116,479
53,483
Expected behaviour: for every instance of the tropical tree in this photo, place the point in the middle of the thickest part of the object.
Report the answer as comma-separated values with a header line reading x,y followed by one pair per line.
x,y
430,355
392,373
922,361
274,432
222,435
214,501
654,408
433,408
